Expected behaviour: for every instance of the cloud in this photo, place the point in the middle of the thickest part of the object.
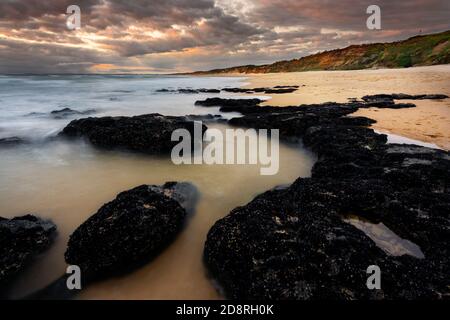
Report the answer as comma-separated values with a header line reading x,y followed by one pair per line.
x,y
351,14
183,35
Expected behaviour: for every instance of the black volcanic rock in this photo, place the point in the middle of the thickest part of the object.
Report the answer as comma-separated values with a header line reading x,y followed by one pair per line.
x,y
189,91
247,106
244,90
209,90
125,234
205,117
387,104
237,90
130,230
67,112
280,91
252,106
286,87
294,243
149,133
274,90
292,122
229,105
185,193
402,96
164,90
21,239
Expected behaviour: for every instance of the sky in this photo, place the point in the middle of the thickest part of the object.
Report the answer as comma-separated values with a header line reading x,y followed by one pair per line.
x,y
165,36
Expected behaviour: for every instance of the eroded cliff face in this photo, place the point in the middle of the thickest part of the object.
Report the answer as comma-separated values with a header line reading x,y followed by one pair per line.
x,y
416,51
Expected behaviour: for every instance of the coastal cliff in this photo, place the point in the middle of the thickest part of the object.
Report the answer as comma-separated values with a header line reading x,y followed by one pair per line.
x,y
423,50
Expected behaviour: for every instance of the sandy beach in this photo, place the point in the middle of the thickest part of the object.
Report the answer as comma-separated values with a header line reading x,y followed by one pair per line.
x,y
428,122
67,181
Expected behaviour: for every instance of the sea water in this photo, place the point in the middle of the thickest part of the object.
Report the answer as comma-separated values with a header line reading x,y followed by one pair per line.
x,y
68,181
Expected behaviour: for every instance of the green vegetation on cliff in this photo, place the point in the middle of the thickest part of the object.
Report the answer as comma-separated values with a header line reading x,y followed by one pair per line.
x,y
416,51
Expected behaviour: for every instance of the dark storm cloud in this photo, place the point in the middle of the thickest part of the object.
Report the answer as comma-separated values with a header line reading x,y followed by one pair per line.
x,y
195,34
46,58
217,29
23,10
166,12
351,14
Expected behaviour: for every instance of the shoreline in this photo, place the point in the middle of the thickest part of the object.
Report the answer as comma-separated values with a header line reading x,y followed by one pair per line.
x,y
428,122
358,171
351,157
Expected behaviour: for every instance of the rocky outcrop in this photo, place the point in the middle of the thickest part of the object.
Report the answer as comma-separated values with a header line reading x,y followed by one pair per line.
x,y
185,193
124,234
246,106
280,91
67,112
130,230
244,90
274,90
229,105
206,118
402,96
295,243
188,90
388,100
288,87
21,239
149,133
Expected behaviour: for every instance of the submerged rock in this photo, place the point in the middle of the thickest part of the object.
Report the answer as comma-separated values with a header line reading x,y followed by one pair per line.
x,y
149,133
130,230
62,113
294,243
164,90
12,141
21,239
209,90
67,112
188,91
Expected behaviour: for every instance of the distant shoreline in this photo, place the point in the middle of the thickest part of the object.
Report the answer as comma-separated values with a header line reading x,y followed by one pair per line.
x,y
420,50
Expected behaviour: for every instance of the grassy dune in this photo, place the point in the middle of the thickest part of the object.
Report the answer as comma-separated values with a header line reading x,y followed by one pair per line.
x,y
424,50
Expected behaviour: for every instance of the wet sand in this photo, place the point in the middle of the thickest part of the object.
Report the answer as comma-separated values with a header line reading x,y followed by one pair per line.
x,y
428,122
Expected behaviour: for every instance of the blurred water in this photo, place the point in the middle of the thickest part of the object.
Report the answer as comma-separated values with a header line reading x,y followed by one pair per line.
x,y
26,101
68,181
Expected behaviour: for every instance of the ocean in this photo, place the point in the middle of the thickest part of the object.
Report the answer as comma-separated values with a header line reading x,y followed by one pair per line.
x,y
26,101
68,181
